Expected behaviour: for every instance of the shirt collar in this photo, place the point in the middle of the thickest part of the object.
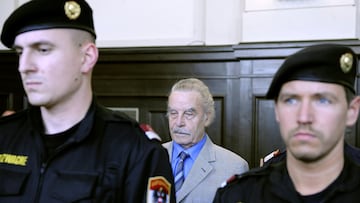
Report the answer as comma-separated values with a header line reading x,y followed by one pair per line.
x,y
192,151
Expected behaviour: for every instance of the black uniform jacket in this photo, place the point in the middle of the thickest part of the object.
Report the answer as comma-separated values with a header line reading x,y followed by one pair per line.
x,y
108,159
273,184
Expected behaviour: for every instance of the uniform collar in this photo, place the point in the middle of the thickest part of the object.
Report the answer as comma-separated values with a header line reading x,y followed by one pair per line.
x,y
280,181
84,126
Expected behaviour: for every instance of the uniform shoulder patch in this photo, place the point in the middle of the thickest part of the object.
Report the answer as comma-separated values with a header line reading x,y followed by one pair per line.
x,y
149,131
159,190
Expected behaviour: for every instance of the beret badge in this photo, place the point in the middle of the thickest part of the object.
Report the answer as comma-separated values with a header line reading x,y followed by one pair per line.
x,y
346,62
72,10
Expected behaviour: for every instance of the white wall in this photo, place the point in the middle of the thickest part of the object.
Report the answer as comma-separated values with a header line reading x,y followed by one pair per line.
x,y
129,23
290,20
149,23
167,23
6,6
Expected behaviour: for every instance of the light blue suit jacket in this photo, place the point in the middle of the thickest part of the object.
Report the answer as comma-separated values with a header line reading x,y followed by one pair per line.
x,y
213,166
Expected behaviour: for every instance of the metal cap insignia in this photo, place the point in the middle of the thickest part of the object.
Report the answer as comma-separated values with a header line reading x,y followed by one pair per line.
x,y
72,10
346,62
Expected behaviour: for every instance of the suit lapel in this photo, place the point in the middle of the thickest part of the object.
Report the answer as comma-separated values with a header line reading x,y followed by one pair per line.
x,y
199,171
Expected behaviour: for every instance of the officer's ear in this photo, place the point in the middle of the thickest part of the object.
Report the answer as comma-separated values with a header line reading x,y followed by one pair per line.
x,y
353,111
90,54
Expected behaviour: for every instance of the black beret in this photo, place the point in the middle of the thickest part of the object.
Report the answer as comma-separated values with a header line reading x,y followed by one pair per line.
x,y
329,63
47,14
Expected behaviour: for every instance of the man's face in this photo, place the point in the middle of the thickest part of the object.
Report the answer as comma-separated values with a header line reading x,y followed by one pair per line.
x,y
312,117
50,65
187,119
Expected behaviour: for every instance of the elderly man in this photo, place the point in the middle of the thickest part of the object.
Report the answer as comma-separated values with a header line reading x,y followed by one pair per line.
x,y
199,166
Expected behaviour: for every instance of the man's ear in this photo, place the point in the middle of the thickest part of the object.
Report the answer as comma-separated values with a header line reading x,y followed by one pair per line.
x,y
206,119
353,111
90,57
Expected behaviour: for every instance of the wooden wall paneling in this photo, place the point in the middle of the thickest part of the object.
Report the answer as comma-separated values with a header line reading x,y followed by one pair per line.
x,y
11,91
152,110
5,102
232,137
219,87
266,135
158,120
240,139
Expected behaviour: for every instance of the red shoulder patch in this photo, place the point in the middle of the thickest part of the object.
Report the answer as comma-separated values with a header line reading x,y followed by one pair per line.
x,y
159,190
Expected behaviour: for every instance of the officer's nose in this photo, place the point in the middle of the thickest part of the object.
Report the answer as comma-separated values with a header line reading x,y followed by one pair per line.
x,y
26,62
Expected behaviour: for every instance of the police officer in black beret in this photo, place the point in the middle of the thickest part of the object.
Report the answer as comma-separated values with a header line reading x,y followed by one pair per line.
x,y
314,103
66,147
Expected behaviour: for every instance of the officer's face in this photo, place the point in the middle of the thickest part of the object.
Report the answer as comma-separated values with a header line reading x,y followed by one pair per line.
x,y
50,65
312,117
187,120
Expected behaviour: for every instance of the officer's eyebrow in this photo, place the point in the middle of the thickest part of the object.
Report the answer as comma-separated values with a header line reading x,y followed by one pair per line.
x,y
34,44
